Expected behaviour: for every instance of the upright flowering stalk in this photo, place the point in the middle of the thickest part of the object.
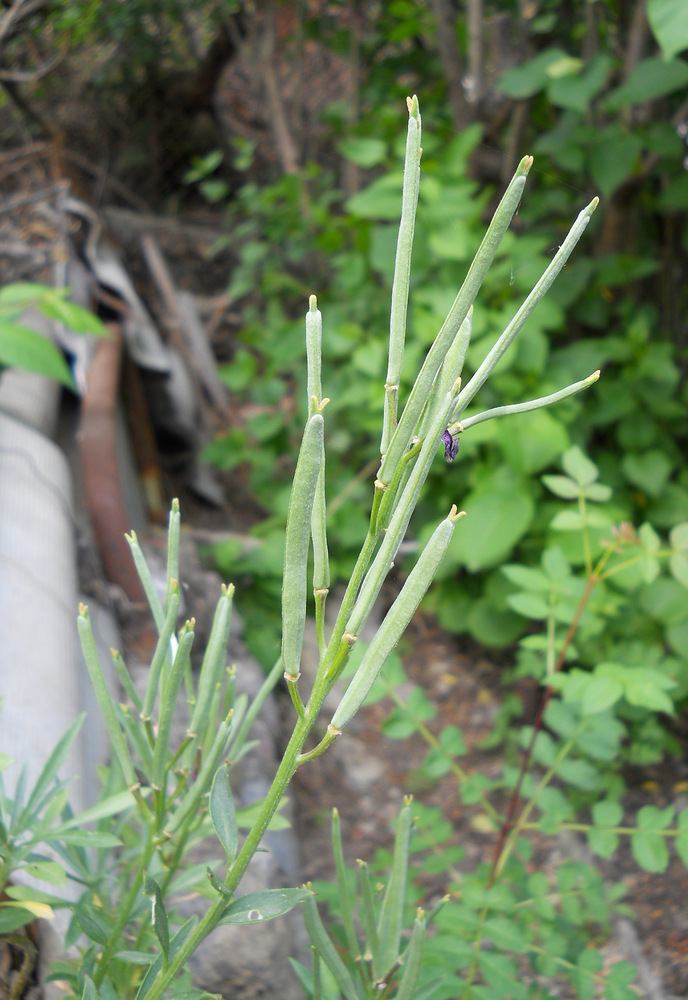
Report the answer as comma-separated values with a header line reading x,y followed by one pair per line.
x,y
431,419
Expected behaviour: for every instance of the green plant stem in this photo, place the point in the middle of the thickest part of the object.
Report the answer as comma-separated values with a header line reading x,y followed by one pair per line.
x,y
355,581
285,772
128,903
508,823
542,784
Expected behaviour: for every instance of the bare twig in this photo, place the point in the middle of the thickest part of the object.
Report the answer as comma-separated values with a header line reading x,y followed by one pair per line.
x,y
30,76
475,86
28,199
450,58
637,39
267,57
353,101
18,12
186,331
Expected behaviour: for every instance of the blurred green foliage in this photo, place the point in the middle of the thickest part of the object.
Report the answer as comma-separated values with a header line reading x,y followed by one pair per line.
x,y
620,305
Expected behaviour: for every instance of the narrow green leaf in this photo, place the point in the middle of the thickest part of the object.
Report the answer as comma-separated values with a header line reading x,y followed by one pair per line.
x,y
89,991
134,957
257,907
92,923
50,769
326,950
110,806
178,941
159,916
82,838
102,693
223,815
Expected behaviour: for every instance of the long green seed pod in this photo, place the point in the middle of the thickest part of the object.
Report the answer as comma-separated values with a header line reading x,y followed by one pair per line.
x,y
321,562
138,737
449,373
294,584
452,324
413,957
530,404
173,531
313,353
392,910
396,620
100,688
146,579
346,897
402,271
368,918
514,327
214,663
168,701
398,524
211,762
125,679
162,651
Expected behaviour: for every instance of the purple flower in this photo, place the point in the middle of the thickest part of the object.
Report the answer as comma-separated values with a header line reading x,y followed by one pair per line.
x,y
451,446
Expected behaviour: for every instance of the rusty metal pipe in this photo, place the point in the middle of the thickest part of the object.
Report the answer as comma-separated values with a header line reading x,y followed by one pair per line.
x,y
100,467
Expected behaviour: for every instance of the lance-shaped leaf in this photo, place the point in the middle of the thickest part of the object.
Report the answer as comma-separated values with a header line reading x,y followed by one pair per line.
x,y
38,795
158,914
257,907
223,814
323,945
89,991
178,942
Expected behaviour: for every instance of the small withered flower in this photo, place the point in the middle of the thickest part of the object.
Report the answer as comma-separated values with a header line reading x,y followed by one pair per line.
x,y
451,445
